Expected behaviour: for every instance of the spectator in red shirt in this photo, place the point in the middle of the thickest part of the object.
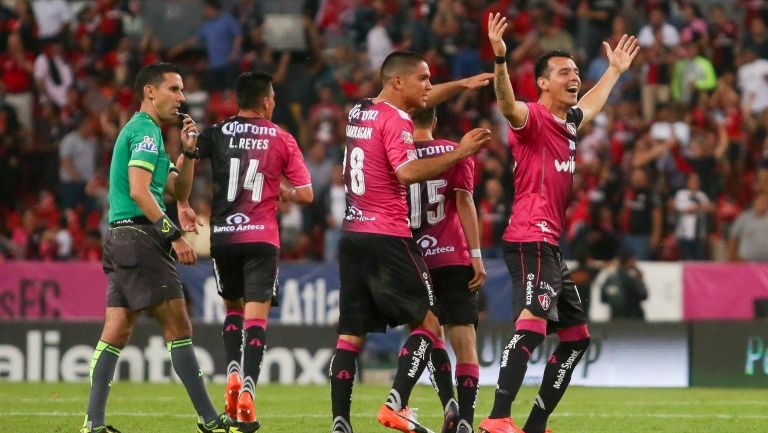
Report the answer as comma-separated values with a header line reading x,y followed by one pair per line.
x,y
17,65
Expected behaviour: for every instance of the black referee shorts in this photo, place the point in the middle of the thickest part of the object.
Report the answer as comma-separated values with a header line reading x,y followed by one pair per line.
x,y
542,284
384,281
140,268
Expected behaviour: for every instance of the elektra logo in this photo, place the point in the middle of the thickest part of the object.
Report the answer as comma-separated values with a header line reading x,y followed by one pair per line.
x,y
238,222
238,218
429,246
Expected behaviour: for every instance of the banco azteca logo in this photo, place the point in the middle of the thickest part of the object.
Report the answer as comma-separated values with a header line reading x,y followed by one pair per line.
x,y
238,218
427,241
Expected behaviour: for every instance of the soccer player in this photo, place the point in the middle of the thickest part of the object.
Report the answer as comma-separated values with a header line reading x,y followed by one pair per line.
x,y
444,223
544,295
249,154
137,249
384,280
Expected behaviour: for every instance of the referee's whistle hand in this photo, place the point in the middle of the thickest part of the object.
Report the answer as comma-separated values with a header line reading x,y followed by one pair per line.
x,y
184,251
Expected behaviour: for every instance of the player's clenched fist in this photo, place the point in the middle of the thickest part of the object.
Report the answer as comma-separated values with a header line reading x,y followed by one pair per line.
x,y
473,140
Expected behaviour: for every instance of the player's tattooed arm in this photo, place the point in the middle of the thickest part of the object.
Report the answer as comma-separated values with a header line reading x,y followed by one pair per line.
x,y
514,111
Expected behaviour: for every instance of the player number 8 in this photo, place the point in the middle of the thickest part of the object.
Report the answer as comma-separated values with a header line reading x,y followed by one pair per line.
x,y
357,179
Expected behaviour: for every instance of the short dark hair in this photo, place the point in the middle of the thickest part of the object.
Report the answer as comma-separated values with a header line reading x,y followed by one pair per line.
x,y
251,86
424,118
399,62
541,69
153,75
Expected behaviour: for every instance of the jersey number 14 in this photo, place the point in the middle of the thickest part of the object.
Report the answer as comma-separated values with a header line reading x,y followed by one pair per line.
x,y
254,180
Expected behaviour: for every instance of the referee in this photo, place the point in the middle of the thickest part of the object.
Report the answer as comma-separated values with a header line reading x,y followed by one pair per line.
x,y
139,249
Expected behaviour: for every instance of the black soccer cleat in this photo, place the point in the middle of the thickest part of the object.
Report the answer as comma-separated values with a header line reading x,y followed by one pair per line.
x,y
450,417
225,424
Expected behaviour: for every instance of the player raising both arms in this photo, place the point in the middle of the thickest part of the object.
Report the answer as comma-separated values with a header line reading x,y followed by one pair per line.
x,y
544,295
444,224
249,154
384,280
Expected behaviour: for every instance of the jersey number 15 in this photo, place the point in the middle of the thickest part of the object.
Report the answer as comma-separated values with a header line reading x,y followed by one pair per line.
x,y
433,197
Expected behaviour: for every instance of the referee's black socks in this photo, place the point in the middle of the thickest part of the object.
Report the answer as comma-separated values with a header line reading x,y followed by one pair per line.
x,y
557,375
103,364
514,363
186,367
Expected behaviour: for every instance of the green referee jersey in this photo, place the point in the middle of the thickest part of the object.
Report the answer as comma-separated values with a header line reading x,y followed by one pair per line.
x,y
140,144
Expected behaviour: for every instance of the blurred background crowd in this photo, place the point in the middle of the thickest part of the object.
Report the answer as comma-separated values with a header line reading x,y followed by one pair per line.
x,y
675,168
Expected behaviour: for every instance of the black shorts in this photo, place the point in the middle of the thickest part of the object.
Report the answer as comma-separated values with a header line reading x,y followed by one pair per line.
x,y
455,303
384,281
542,283
140,268
247,271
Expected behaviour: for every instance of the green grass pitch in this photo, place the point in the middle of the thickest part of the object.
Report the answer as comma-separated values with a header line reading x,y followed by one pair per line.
x,y
151,408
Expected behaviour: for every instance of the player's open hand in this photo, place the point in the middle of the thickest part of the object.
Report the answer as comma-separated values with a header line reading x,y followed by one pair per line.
x,y
497,25
184,251
473,140
476,283
188,219
624,53
477,81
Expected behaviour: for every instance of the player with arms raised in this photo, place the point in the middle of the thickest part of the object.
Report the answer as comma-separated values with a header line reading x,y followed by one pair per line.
x,y
384,280
544,295
444,224
249,154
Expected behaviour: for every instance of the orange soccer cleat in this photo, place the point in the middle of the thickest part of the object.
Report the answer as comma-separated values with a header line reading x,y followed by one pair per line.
x,y
499,425
234,383
402,420
245,409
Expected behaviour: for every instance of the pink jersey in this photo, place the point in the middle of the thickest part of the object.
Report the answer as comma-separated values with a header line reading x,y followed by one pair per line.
x,y
248,157
544,152
379,141
434,216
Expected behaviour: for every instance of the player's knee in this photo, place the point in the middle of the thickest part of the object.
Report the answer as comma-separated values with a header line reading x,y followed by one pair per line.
x,y
430,323
576,337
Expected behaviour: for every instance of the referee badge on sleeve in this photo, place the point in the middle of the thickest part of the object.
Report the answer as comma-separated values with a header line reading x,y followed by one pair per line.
x,y
147,145
407,137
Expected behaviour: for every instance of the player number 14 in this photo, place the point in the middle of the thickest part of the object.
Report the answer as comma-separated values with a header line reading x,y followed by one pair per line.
x,y
254,180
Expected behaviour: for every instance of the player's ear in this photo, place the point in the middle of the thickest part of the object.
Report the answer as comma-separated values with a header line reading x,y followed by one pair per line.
x,y
397,81
542,82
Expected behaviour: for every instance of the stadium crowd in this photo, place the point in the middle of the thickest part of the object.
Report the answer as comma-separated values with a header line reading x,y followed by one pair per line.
x,y
675,168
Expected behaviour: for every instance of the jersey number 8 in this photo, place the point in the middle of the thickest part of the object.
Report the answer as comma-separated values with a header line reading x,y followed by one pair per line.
x,y
356,176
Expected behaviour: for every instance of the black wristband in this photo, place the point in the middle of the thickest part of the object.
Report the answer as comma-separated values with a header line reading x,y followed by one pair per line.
x,y
500,60
167,229
191,155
